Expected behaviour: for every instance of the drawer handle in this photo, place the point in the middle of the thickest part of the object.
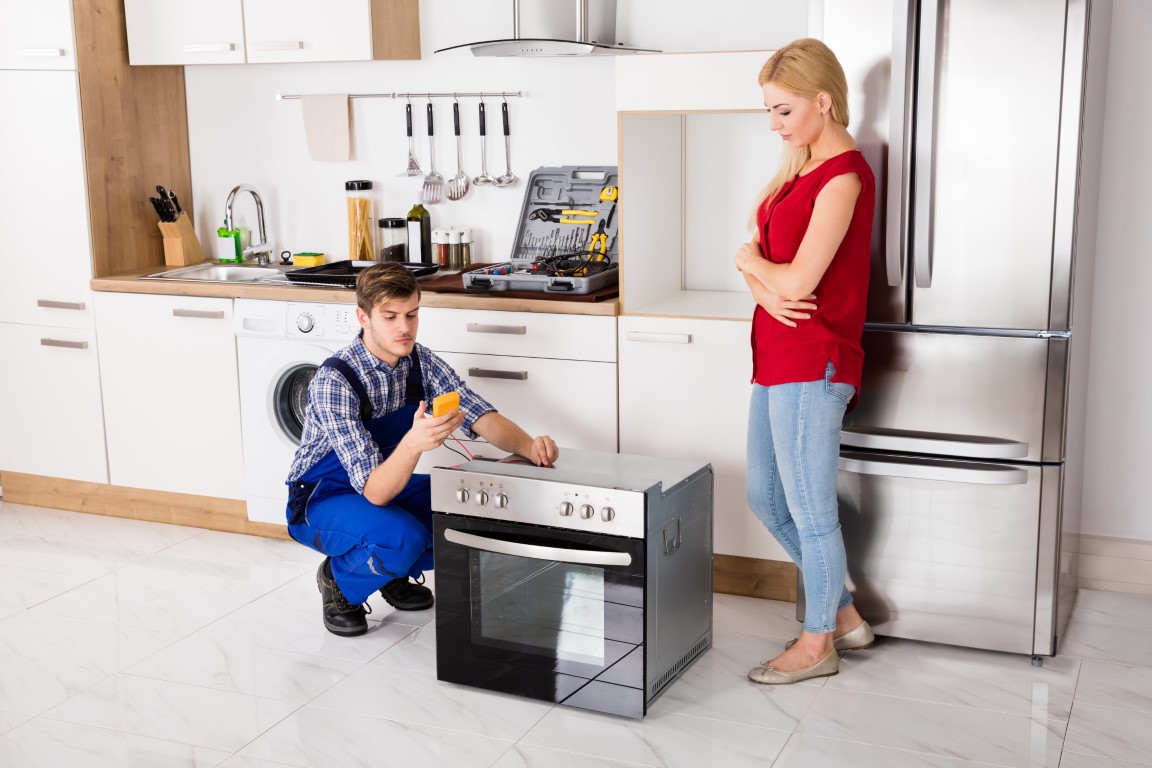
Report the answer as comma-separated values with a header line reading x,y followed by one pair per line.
x,y
49,304
207,314
484,373
515,330
63,343
277,45
40,53
660,338
209,47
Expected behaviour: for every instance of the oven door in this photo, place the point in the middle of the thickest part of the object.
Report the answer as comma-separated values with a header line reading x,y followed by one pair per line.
x,y
540,612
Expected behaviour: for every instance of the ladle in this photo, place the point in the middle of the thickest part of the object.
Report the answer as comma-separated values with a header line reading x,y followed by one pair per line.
x,y
484,177
508,178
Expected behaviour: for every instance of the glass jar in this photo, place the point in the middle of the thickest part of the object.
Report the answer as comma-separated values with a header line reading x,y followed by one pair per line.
x,y
393,240
361,233
454,249
465,248
440,247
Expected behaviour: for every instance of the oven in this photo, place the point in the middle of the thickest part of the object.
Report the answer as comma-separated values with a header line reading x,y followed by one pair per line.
x,y
587,584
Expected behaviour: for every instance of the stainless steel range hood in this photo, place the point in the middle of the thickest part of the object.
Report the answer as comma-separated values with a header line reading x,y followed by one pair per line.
x,y
557,28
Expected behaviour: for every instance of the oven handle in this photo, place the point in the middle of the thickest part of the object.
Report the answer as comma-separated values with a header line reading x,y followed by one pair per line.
x,y
536,551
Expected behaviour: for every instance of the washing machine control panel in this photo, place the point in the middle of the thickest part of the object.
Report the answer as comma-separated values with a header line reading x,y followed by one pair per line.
x,y
334,322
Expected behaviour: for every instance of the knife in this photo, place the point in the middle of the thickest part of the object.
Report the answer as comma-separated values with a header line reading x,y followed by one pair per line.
x,y
166,203
175,202
161,211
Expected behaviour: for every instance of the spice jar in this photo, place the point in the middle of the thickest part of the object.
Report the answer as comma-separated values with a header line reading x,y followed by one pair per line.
x,y
440,247
393,240
465,248
361,233
454,248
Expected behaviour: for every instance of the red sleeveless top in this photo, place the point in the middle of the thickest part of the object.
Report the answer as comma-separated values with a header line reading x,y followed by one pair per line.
x,y
783,355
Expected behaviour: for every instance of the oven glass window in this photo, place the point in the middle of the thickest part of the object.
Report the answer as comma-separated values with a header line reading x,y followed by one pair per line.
x,y
549,608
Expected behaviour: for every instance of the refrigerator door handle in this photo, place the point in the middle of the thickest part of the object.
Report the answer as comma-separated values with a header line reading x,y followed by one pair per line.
x,y
925,170
933,469
900,101
938,443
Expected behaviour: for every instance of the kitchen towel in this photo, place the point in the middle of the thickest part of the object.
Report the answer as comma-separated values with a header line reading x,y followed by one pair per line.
x,y
326,126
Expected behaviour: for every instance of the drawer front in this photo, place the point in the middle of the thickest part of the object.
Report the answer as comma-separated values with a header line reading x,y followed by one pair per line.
x,y
523,334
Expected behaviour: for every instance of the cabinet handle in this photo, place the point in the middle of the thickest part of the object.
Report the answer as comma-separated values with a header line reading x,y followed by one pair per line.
x,y
40,53
63,343
207,314
484,373
277,45
209,47
50,304
515,330
660,338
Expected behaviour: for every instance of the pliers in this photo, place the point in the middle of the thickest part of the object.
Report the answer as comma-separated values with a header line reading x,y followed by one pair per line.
x,y
559,215
599,240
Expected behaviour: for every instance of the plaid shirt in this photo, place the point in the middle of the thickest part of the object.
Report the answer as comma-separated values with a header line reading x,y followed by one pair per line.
x,y
332,417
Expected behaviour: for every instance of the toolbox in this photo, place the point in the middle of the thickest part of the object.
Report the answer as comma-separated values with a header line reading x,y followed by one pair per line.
x,y
566,241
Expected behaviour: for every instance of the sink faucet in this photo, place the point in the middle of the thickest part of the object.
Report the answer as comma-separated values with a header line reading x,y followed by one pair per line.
x,y
261,249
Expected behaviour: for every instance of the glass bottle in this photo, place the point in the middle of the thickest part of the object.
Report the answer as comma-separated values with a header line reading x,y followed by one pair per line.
x,y
440,247
420,235
454,248
393,240
465,248
361,233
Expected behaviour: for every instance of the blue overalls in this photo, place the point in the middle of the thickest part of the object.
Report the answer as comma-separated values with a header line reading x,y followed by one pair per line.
x,y
369,545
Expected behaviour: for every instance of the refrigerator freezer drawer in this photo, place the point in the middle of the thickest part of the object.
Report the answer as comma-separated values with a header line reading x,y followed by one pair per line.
x,y
943,551
981,397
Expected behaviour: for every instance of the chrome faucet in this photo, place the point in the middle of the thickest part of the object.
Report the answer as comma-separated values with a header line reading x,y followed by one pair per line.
x,y
262,249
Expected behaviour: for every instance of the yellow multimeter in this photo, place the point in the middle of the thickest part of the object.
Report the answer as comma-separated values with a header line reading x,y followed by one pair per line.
x,y
445,403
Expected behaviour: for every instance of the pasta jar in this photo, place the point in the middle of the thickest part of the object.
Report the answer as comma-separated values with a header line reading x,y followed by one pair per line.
x,y
361,225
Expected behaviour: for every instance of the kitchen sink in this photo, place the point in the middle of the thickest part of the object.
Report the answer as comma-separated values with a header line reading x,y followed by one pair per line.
x,y
218,273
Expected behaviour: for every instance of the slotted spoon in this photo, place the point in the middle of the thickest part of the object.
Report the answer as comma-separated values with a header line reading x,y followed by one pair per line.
x,y
484,177
433,191
458,184
413,168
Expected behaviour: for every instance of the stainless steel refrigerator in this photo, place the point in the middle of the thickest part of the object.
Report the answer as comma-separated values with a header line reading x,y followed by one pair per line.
x,y
960,471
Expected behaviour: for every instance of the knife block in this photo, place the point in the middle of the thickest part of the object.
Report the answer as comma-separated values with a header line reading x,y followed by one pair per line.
x,y
181,247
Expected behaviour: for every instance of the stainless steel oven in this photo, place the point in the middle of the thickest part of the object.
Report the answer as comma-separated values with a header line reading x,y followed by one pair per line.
x,y
588,584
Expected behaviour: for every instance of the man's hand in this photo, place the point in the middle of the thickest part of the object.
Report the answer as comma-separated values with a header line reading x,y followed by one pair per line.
x,y
544,451
428,434
785,310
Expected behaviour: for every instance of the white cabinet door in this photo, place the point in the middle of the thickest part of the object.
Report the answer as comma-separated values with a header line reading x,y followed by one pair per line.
x,y
45,250
201,32
304,30
684,391
171,397
51,422
526,334
36,35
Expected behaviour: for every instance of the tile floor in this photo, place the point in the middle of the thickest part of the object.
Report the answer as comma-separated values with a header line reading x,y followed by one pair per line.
x,y
125,643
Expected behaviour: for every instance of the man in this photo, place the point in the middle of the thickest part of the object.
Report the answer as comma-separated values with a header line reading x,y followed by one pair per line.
x,y
352,494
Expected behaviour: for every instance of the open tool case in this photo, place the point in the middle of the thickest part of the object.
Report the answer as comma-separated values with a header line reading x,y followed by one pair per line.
x,y
566,241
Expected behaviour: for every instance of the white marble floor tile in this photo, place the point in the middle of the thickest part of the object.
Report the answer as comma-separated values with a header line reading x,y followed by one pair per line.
x,y
34,685
245,579
322,738
44,743
94,644
1115,685
937,729
1073,760
1111,609
25,587
69,557
108,598
240,761
1122,734
1118,644
812,752
736,699
661,739
188,714
416,652
982,679
101,530
229,548
527,756
737,653
9,720
416,697
247,669
754,616
302,632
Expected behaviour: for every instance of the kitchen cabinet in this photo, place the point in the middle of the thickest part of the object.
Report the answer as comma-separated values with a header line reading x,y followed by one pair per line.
x,y
264,31
37,35
684,392
171,393
51,422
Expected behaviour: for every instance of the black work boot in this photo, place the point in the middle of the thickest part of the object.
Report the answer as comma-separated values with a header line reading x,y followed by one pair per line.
x,y
340,616
404,595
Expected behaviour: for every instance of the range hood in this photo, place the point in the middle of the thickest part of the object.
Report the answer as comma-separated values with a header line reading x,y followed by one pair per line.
x,y
557,28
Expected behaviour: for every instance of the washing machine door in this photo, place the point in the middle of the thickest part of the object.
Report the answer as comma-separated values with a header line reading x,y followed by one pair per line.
x,y
290,399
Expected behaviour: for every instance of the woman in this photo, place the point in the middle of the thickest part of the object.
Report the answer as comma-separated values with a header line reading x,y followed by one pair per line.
x,y
807,268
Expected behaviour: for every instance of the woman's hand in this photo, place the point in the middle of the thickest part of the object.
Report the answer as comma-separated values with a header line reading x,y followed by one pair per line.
x,y
750,250
785,310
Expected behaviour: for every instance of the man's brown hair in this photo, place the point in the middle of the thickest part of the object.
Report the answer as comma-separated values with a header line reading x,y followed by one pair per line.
x,y
381,283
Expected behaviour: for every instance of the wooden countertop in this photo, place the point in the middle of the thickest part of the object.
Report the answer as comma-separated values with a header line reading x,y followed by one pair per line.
x,y
130,282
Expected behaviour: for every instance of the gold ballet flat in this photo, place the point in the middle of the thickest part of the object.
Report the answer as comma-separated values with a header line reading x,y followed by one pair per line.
x,y
826,666
854,640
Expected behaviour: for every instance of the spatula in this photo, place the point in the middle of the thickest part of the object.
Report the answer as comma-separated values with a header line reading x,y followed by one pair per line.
x,y
458,184
433,191
413,166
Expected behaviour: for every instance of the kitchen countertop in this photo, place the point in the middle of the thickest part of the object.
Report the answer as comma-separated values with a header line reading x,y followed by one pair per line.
x,y
130,282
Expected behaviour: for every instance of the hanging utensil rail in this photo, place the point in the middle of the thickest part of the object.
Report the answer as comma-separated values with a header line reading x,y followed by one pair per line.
x,y
396,95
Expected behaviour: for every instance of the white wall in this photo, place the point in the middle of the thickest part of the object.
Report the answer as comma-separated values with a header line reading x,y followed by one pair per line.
x,y
1118,451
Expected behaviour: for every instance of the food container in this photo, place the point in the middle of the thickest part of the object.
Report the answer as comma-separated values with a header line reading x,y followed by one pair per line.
x,y
361,233
393,240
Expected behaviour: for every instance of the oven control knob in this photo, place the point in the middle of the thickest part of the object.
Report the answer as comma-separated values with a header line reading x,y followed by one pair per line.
x,y
305,322
501,500
586,511
461,495
607,514
481,498
566,509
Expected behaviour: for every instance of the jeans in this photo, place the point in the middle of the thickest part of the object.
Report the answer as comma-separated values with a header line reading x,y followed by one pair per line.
x,y
793,456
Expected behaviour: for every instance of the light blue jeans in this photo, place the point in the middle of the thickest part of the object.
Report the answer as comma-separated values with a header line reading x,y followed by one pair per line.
x,y
793,455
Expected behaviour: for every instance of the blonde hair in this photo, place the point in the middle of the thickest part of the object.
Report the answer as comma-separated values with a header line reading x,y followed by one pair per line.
x,y
381,283
805,67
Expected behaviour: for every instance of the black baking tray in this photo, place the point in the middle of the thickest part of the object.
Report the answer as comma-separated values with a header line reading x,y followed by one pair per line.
x,y
344,273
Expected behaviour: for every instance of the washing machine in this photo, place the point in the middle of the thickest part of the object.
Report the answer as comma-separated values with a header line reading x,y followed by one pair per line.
x,y
279,346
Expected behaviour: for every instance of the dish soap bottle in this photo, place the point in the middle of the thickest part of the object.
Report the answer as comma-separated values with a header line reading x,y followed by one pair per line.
x,y
420,235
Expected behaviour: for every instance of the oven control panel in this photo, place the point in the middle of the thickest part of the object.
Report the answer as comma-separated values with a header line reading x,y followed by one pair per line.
x,y
539,502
